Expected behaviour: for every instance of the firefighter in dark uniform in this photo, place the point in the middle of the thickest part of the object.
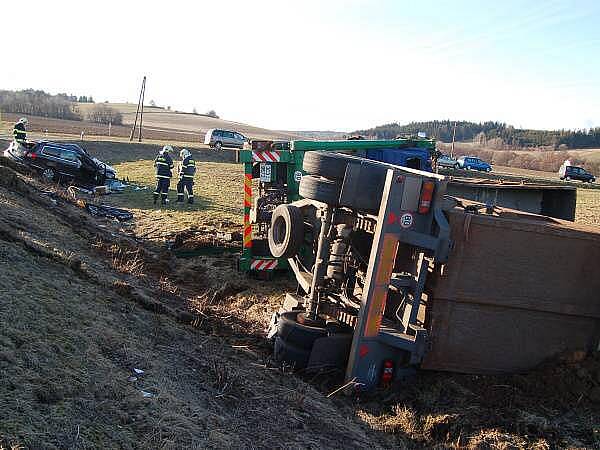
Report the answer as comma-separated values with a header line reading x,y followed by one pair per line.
x,y
163,163
187,170
19,132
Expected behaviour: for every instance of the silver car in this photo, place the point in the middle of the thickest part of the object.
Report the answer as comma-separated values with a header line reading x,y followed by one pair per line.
x,y
218,139
447,161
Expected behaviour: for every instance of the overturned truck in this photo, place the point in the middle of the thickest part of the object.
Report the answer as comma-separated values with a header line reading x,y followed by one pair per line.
x,y
394,274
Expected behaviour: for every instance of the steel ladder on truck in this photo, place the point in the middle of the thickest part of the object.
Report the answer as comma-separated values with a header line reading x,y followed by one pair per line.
x,y
410,218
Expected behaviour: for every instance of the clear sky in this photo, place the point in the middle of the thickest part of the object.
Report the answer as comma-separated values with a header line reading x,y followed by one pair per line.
x,y
316,65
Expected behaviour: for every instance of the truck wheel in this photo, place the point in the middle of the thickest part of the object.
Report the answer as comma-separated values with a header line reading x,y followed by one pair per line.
x,y
297,334
286,233
320,189
328,165
289,353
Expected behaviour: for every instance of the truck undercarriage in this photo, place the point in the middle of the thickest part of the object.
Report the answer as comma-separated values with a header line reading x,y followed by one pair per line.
x,y
368,244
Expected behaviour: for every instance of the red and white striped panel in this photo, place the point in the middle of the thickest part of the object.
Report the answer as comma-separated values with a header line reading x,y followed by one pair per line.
x,y
266,156
263,264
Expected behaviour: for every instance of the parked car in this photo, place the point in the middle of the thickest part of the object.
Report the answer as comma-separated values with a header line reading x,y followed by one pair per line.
x,y
447,161
62,163
473,163
575,173
218,139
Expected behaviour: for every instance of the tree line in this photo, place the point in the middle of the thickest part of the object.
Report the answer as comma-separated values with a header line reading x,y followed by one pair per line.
x,y
495,135
74,98
38,103
30,102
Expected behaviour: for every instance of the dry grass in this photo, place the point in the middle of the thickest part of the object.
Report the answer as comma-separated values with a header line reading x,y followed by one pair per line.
x,y
217,199
588,206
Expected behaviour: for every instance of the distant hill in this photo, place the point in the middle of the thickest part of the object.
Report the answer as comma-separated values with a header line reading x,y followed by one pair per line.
x,y
496,135
157,118
319,135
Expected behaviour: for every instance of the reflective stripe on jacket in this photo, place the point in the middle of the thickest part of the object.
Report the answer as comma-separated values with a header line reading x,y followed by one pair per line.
x,y
188,169
163,164
19,132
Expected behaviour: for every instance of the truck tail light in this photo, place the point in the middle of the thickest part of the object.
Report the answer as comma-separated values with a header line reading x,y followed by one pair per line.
x,y
387,374
426,196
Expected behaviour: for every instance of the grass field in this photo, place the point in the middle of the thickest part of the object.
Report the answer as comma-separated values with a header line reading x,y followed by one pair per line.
x,y
218,201
588,207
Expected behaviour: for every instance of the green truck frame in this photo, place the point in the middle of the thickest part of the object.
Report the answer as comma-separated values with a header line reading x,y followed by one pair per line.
x,y
268,161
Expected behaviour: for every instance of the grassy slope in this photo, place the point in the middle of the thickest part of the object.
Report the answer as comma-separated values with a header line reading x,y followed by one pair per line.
x,y
71,335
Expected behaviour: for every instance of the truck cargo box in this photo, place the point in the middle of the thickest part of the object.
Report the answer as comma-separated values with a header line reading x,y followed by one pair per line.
x,y
517,289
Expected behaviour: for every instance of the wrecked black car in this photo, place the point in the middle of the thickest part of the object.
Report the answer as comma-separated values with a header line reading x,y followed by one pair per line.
x,y
62,163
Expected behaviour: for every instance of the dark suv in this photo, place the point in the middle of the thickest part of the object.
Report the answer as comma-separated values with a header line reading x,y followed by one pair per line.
x,y
61,162
576,173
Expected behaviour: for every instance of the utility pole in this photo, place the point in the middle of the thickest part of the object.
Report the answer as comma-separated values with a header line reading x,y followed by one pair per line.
x,y
453,139
142,108
139,112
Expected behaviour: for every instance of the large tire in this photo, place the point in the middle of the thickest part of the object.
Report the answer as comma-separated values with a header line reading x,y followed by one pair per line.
x,y
328,165
297,334
286,233
289,353
371,184
320,189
